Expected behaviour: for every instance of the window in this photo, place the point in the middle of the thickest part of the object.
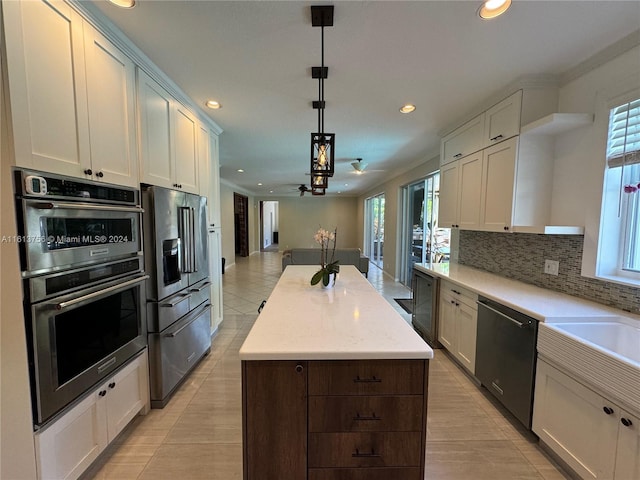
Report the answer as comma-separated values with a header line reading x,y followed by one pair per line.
x,y
619,252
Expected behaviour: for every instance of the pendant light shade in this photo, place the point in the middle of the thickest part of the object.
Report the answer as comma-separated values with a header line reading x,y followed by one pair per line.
x,y
322,158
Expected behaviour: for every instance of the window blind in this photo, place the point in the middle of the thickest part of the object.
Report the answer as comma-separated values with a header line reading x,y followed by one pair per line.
x,y
623,145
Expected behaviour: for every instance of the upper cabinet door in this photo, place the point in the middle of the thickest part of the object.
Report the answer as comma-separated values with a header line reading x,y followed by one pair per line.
x,y
186,149
110,90
499,180
470,191
45,60
463,141
155,105
204,163
214,180
502,121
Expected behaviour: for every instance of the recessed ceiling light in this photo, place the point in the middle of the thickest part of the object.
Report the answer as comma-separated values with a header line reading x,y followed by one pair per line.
x,y
270,191
346,184
493,8
213,104
240,170
259,184
124,3
408,108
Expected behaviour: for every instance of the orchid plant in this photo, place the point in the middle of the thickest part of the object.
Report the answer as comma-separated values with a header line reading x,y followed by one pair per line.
x,y
328,266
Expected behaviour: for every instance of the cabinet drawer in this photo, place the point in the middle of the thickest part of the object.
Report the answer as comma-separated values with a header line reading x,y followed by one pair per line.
x,y
367,377
383,449
366,413
405,473
460,294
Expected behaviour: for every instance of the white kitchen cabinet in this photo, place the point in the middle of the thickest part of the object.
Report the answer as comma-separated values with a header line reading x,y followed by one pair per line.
x,y
448,206
502,121
68,446
583,428
112,126
186,131
215,270
45,61
469,191
498,180
204,165
71,95
463,140
458,323
169,138
214,180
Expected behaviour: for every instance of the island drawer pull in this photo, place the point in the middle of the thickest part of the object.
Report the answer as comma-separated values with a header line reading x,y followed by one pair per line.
x,y
372,417
373,379
373,454
497,137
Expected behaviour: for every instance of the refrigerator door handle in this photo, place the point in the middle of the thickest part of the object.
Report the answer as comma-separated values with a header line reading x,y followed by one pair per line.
x,y
192,226
185,234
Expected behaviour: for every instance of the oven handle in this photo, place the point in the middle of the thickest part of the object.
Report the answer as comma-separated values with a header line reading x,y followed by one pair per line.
x,y
83,206
519,324
63,305
196,316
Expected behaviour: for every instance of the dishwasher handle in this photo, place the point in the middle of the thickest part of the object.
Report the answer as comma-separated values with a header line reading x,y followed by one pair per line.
x,y
526,324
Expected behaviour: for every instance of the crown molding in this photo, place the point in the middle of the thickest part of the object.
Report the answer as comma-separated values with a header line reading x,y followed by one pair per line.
x,y
106,27
600,58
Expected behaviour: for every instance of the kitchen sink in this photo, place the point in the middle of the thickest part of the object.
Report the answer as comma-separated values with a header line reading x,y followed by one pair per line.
x,y
603,352
613,336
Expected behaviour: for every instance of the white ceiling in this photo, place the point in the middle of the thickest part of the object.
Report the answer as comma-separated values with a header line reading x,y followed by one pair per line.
x,y
255,58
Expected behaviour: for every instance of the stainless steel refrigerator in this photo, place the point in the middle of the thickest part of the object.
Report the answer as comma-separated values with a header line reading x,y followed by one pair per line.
x,y
178,290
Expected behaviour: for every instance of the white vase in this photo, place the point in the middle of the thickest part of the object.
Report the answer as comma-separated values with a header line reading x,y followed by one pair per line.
x,y
332,281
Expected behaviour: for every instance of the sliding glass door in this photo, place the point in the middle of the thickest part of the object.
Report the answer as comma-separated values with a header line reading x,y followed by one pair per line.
x,y
422,240
374,229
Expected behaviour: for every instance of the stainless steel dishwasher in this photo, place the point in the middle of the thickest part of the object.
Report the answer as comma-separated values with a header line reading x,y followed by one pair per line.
x,y
506,356
425,307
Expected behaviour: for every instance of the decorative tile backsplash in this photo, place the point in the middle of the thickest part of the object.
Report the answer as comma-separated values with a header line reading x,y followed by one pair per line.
x,y
521,256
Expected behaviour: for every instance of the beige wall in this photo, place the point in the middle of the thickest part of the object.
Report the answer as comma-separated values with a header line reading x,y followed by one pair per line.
x,y
226,218
392,211
300,217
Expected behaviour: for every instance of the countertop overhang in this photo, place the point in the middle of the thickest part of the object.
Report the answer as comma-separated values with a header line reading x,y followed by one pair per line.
x,y
539,303
351,321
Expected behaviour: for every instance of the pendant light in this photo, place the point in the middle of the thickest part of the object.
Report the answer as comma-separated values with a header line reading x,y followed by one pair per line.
x,y
322,144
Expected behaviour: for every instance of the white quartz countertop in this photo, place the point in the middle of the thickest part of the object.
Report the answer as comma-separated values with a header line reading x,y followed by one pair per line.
x,y
539,303
348,322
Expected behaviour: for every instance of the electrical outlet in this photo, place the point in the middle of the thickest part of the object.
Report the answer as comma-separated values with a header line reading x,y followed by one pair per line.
x,y
551,267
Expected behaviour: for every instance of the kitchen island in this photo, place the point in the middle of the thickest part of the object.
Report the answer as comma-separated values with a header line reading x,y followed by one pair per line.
x,y
334,384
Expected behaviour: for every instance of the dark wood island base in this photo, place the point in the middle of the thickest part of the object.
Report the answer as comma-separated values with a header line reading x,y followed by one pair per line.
x,y
334,420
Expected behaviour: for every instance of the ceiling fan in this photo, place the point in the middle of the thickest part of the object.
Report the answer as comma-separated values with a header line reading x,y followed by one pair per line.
x,y
302,189
359,167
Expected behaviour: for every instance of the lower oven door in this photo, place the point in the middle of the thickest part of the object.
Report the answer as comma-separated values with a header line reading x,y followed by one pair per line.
x,y
79,339
175,351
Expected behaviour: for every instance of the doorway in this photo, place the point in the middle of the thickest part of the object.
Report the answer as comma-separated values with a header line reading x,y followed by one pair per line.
x,y
241,224
422,239
269,232
374,229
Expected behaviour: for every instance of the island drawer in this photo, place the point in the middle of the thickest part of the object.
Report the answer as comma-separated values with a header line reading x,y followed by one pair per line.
x,y
367,377
401,413
384,473
365,449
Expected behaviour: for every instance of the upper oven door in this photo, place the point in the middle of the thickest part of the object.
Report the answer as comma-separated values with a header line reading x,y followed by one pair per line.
x,y
61,235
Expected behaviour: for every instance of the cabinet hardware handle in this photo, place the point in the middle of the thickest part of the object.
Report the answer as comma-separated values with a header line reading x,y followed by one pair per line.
x,y
373,379
179,185
526,324
455,291
88,171
373,454
457,304
498,389
102,393
608,410
372,417
452,302
99,174
112,385
626,422
457,155
496,138
506,228
299,368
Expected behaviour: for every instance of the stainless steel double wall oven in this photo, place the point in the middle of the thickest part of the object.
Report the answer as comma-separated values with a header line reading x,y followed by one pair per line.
x,y
84,284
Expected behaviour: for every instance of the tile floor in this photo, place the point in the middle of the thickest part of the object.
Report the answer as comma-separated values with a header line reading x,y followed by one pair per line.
x,y
198,434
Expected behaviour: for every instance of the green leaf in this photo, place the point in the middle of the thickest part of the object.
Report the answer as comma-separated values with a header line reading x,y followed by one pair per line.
x,y
325,278
317,277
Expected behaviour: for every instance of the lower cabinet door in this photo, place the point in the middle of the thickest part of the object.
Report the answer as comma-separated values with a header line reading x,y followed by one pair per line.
x,y
274,404
379,449
68,446
384,473
628,454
